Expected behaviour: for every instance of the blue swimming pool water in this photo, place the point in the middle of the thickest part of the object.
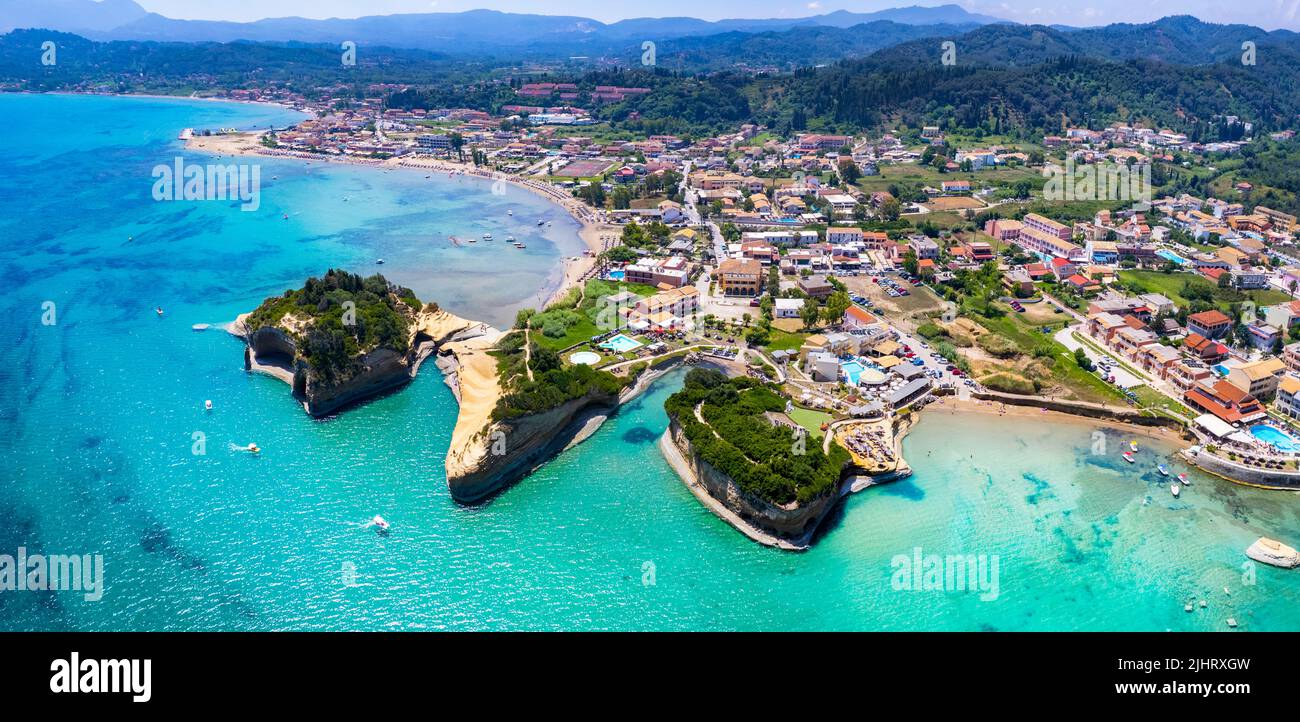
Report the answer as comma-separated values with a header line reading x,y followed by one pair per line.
x,y
854,370
621,343
1275,436
1171,256
1220,369
617,275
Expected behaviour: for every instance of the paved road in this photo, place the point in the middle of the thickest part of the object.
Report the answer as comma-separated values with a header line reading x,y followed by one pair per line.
x,y
1123,378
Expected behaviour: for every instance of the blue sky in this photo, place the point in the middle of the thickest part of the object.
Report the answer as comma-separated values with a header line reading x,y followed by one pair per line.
x,y
1266,13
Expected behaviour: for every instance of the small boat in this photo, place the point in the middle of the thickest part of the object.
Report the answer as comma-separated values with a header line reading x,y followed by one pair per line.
x,y
208,404
1161,468
509,212
253,448
158,310
510,239
1133,445
1187,607
380,261
520,245
1232,622
285,217
199,327
1182,479
540,222
379,522
1203,604
1128,456
487,236
1273,552
1175,489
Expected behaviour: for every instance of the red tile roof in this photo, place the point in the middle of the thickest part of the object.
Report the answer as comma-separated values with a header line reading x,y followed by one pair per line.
x,y
1208,319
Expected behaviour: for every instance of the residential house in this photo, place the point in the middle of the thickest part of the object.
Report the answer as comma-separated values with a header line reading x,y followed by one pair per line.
x,y
1259,379
1205,350
816,286
1287,402
1210,324
787,307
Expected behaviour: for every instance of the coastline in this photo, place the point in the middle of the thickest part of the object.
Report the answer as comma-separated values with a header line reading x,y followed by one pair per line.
x,y
954,405
571,268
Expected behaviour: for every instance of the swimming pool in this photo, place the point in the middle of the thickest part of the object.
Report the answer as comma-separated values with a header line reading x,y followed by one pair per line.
x,y
1220,369
586,358
1171,256
1275,437
621,343
617,275
853,370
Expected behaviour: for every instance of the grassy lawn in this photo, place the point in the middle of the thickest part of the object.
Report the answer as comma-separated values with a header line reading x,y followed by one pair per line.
x,y
810,420
1152,399
587,314
1172,286
779,340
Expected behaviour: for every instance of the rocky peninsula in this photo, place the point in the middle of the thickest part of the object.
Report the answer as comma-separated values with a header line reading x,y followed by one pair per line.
x,y
342,339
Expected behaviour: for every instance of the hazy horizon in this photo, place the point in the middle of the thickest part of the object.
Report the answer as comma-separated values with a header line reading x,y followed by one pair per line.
x,y
1269,14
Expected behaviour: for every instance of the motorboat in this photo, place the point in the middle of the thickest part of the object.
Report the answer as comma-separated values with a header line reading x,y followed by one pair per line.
x,y
1175,489
380,261
158,310
199,327
487,236
1128,456
208,404
1182,479
379,522
1132,445
1161,468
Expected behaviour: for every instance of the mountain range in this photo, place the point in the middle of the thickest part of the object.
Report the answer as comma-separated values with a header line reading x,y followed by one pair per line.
x,y
480,30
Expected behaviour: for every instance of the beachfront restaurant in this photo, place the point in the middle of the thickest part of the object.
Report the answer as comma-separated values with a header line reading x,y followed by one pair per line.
x,y
1220,430
908,392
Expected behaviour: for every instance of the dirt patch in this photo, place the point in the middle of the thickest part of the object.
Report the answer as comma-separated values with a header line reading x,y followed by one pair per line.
x,y
952,203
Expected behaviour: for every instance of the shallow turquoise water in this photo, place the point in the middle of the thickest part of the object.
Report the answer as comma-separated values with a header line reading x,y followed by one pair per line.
x,y
98,412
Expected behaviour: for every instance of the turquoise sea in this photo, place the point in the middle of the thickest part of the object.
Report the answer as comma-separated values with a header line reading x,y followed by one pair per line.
x,y
98,414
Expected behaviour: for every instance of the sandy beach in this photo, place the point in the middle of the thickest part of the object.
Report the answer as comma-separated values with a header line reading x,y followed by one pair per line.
x,y
953,405
477,389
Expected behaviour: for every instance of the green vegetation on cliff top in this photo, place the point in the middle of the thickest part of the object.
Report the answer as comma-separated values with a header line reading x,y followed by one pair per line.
x,y
740,442
336,318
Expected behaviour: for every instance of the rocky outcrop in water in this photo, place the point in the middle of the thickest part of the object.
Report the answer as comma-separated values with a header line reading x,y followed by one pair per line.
x,y
789,526
274,350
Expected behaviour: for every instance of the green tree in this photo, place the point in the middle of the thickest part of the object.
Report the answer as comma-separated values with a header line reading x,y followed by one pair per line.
x,y
809,313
